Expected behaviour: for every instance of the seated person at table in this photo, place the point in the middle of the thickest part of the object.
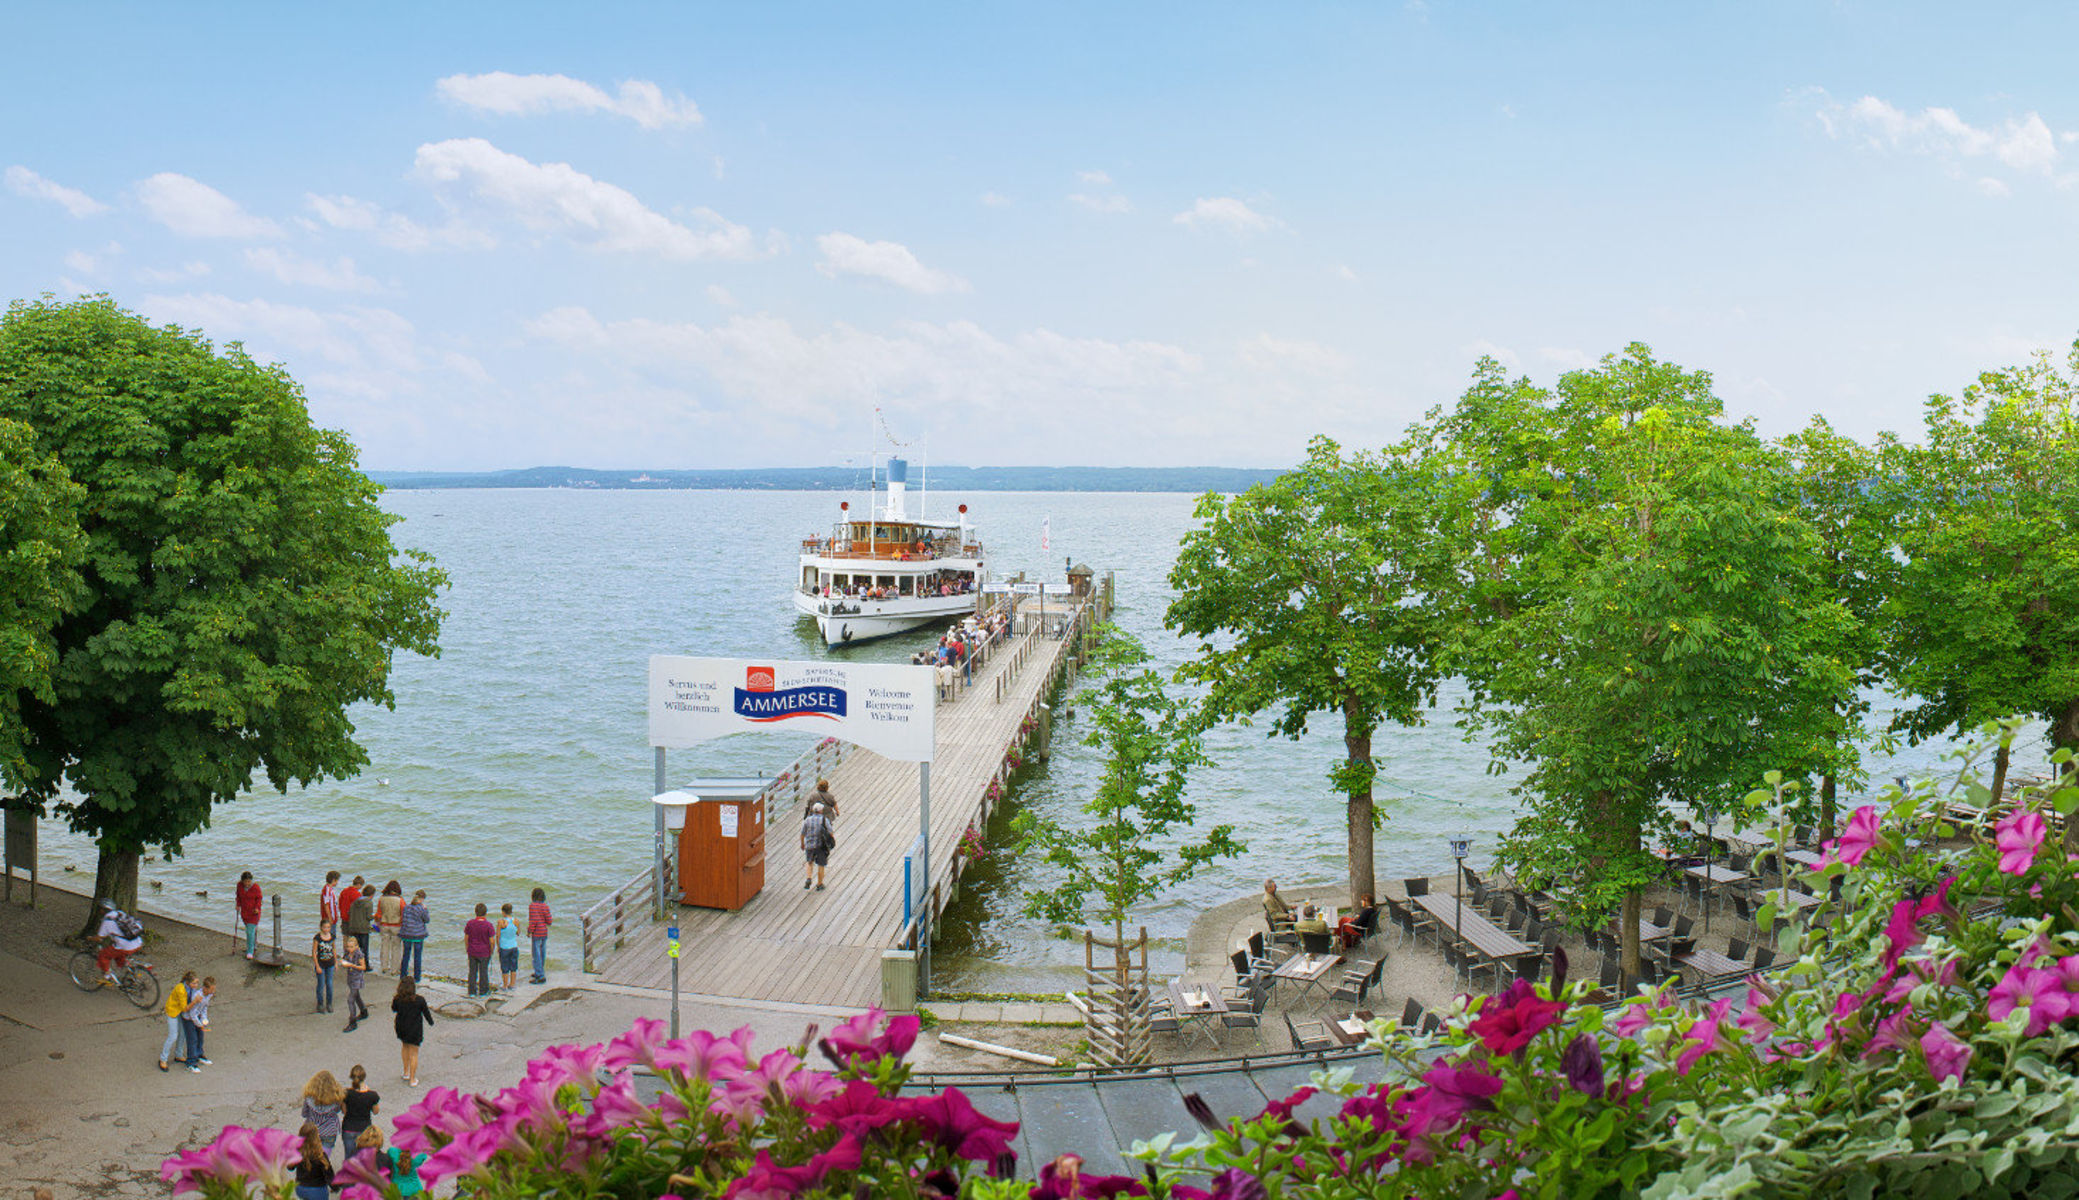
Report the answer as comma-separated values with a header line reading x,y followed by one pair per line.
x,y
1275,910
1351,930
1310,920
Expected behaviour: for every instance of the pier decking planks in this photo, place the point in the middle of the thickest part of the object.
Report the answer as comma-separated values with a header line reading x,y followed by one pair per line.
x,y
825,947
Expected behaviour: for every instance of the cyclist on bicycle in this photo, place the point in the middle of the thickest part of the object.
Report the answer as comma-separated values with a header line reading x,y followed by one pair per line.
x,y
121,936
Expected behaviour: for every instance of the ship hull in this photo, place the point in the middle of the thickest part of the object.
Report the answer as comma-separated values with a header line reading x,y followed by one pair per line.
x,y
843,622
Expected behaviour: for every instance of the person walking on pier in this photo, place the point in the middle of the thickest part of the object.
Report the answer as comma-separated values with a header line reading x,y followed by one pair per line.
x,y
817,840
823,796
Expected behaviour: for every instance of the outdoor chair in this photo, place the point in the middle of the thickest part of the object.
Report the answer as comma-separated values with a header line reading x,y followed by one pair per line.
x,y
1472,879
1478,895
1432,1023
1164,1022
1317,943
1693,892
1533,930
1683,925
1280,929
1309,1035
1663,916
1416,887
1610,978
1411,1014
1530,970
1764,958
1742,909
1496,905
1250,1016
1737,949
1739,862
1550,941
1351,988
1401,917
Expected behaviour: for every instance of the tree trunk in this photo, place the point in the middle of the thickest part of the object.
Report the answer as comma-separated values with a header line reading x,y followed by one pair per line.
x,y
1827,811
2064,735
115,877
1999,775
1361,884
1633,965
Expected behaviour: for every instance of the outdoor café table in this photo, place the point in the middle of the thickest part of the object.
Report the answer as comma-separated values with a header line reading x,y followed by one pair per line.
x,y
1485,936
1784,898
1712,965
1718,875
1351,1029
1308,970
1807,857
1648,931
1197,1007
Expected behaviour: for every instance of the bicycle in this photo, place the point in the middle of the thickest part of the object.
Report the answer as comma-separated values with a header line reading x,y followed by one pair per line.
x,y
134,980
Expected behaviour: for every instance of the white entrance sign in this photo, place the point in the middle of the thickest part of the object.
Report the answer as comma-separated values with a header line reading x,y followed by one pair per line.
x,y
885,708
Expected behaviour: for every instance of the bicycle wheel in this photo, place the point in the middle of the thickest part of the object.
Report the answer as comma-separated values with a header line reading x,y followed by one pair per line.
x,y
141,987
85,969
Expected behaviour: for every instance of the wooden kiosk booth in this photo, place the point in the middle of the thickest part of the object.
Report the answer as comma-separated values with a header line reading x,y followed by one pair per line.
x,y
721,848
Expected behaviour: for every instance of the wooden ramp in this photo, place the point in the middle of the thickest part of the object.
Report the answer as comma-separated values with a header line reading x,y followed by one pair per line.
x,y
808,947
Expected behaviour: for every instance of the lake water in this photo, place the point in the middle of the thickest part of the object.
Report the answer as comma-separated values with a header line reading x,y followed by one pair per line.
x,y
519,757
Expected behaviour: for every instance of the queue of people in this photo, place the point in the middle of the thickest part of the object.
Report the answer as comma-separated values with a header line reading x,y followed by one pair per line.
x,y
349,915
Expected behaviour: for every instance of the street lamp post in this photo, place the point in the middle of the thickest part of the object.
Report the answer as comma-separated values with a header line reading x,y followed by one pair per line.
x,y
671,814
1710,816
1459,846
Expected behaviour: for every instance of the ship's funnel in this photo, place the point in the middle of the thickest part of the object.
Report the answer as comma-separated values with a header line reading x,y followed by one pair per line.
x,y
898,483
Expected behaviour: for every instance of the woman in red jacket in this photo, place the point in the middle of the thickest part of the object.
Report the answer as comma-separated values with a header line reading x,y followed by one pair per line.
x,y
249,910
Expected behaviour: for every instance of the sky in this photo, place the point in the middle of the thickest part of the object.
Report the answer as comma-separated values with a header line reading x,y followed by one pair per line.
x,y
628,235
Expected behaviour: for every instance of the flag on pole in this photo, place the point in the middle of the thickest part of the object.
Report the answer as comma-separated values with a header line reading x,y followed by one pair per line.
x,y
1046,532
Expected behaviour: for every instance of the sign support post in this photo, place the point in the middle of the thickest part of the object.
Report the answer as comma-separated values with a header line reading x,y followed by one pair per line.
x,y
657,880
671,943
924,917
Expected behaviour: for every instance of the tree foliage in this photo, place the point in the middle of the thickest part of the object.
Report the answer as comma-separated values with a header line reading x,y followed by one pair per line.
x,y
1302,594
1637,605
40,554
1124,849
1985,620
241,591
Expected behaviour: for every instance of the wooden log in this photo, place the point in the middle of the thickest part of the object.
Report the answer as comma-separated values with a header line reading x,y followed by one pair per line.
x,y
1044,1060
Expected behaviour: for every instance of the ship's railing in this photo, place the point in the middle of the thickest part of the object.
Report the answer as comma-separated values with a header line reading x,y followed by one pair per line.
x,y
897,552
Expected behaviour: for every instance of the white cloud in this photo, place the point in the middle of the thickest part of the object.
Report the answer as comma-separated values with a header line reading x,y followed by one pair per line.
x,y
2025,144
1567,358
558,198
340,276
507,94
996,200
395,230
721,295
24,182
1343,272
195,209
1266,353
1095,178
1997,189
194,269
1103,204
1225,212
93,263
892,262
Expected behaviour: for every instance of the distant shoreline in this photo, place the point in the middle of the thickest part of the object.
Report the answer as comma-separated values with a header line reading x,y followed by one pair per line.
x,y
843,479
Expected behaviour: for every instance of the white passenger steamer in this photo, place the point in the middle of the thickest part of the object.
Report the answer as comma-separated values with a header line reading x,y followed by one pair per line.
x,y
887,571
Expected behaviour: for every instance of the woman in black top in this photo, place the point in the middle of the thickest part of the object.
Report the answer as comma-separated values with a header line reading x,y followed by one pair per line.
x,y
360,1104
313,1169
412,1018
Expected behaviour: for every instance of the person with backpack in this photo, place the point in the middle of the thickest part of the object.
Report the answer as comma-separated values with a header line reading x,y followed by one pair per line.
x,y
324,951
818,839
122,935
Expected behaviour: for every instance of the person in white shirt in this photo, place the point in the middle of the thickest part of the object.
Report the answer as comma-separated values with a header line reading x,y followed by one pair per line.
x,y
116,946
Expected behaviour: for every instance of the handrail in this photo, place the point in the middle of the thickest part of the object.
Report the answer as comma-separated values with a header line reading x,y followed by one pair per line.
x,y
616,913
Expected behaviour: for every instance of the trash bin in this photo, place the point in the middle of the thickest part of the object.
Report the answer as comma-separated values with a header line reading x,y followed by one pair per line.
x,y
899,980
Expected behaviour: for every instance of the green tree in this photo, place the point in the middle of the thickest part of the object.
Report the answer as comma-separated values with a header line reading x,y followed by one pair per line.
x,y
1637,606
1985,621
1125,848
241,589
1837,483
40,553
1302,594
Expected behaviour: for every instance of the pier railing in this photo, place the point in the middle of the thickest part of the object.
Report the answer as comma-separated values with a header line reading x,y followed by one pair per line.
x,y
607,924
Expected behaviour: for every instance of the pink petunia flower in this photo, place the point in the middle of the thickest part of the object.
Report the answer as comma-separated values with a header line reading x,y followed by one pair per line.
x,y
1855,841
1759,1028
1891,1034
263,1156
1507,1023
1918,972
1947,1058
1702,1038
1637,1015
2041,992
2018,836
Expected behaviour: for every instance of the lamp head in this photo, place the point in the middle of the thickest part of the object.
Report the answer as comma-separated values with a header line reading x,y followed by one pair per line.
x,y
1460,846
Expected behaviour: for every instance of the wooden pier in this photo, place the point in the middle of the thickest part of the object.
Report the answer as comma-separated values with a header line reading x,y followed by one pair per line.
x,y
824,948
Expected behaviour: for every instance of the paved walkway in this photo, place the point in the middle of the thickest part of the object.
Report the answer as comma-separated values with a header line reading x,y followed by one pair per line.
x,y
791,944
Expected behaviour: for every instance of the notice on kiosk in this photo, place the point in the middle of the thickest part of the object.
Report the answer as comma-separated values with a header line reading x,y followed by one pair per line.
x,y
728,814
885,708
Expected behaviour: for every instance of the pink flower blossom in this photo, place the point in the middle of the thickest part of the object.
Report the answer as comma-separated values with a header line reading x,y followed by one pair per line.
x,y
1947,1058
861,1038
950,1119
263,1156
1759,1028
1451,1091
1891,1034
703,1055
1507,1023
2040,992
1702,1037
2018,836
1855,841
1918,972
1637,1015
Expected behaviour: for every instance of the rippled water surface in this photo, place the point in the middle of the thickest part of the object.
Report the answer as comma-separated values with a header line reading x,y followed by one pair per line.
x,y
519,758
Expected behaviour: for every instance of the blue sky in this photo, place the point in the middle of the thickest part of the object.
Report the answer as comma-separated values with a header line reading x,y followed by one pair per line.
x,y
672,236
